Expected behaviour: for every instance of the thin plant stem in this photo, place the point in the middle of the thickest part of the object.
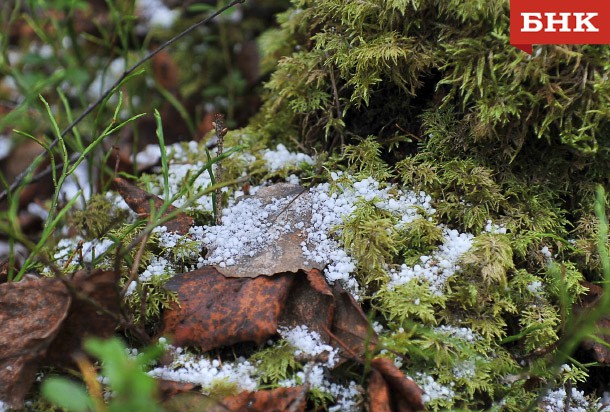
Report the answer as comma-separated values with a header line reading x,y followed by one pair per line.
x,y
19,180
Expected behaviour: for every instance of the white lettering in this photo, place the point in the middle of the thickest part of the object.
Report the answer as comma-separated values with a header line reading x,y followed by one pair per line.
x,y
531,25
551,22
580,22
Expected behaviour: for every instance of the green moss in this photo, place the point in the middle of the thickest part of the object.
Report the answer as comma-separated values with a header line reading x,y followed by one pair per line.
x,y
275,363
97,218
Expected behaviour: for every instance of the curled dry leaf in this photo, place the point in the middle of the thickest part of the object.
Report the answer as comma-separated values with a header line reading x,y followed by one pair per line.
x,y
350,324
169,389
285,253
215,311
405,390
310,302
379,393
139,201
274,400
165,72
94,311
31,313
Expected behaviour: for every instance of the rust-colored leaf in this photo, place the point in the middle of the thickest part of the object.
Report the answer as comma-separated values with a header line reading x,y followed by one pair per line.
x,y
139,201
350,324
31,312
379,393
310,302
94,312
404,387
169,389
285,254
193,401
275,400
21,157
205,125
215,311
165,71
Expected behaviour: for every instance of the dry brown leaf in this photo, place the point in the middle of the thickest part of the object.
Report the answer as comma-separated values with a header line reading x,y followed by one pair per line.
x,y
274,400
94,311
215,311
165,71
139,201
285,254
170,389
31,313
406,391
350,324
310,302
193,401
379,393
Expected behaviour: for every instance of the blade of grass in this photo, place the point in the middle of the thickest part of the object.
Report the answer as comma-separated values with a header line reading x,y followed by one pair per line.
x,y
164,167
125,74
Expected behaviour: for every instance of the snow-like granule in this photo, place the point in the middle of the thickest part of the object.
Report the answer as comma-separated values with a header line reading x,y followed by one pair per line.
x,y
79,180
105,79
90,250
158,266
462,333
36,209
309,343
205,372
557,401
466,369
248,226
535,288
149,156
156,13
18,250
347,398
547,254
439,266
245,230
6,144
179,152
280,158
491,227
432,389
179,175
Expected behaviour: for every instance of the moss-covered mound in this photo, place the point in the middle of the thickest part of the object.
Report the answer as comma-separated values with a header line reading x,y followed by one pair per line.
x,y
429,96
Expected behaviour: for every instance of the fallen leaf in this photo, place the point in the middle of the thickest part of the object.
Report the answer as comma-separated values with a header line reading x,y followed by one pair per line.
x,y
31,313
165,71
93,312
310,302
139,201
350,324
404,388
379,393
189,402
170,389
285,253
215,311
274,400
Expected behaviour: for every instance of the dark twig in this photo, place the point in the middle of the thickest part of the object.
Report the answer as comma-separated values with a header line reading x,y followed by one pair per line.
x,y
19,179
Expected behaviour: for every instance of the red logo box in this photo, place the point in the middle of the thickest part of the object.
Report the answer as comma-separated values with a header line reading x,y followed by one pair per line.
x,y
559,22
